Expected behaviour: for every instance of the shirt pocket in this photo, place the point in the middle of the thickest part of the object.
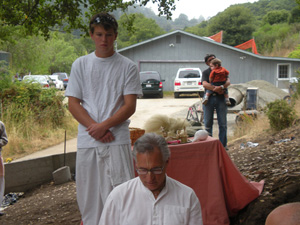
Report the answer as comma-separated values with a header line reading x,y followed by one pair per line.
x,y
175,215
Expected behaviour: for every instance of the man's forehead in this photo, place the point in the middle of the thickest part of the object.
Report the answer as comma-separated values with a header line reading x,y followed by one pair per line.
x,y
153,157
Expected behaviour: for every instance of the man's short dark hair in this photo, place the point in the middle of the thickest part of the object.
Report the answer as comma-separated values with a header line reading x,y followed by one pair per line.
x,y
208,56
104,19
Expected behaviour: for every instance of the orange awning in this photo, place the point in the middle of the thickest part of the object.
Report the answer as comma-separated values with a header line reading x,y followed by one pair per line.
x,y
247,45
218,37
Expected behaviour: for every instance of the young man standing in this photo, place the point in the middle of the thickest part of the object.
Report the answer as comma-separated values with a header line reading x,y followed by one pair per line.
x,y
215,102
102,92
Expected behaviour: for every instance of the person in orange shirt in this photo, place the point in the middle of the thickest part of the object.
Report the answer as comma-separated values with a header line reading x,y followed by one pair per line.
x,y
217,77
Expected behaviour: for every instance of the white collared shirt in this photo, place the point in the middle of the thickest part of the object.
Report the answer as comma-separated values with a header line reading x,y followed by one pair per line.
x,y
131,203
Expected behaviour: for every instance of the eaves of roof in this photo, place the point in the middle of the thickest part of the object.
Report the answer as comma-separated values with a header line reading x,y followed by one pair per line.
x,y
206,39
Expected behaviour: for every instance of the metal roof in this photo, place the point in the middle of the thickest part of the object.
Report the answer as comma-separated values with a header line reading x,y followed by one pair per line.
x,y
206,39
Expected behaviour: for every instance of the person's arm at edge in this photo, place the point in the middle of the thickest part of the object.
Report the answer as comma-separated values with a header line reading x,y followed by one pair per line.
x,y
128,109
3,139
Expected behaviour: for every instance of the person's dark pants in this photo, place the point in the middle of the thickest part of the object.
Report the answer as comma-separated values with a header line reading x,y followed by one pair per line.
x,y
217,102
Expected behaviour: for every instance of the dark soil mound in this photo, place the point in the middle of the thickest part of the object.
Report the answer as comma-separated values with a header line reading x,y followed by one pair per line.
x,y
276,160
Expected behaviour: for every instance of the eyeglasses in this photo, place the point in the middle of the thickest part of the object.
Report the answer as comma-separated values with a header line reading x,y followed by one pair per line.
x,y
156,170
103,19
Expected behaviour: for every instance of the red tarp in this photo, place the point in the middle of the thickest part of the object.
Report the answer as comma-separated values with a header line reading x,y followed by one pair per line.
x,y
247,45
221,188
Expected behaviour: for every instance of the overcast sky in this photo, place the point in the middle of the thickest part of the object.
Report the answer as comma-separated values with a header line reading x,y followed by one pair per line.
x,y
206,8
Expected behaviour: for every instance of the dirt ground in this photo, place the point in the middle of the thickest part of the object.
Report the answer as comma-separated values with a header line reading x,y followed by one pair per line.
x,y
276,160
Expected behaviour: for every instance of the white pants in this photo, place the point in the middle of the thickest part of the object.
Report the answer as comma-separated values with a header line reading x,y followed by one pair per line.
x,y
98,171
2,183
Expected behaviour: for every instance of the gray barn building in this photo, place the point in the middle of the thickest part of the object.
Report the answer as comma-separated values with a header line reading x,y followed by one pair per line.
x,y
169,52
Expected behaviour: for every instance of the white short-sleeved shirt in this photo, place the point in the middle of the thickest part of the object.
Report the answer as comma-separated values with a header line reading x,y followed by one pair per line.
x,y
131,203
101,83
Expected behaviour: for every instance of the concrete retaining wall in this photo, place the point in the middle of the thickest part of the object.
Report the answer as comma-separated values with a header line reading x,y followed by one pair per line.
x,y
25,175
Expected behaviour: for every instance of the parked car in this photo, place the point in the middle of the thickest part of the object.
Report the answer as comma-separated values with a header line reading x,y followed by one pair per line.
x,y
64,77
152,83
37,79
57,81
188,81
50,81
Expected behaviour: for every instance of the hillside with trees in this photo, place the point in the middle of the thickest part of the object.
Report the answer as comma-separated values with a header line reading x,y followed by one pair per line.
x,y
274,25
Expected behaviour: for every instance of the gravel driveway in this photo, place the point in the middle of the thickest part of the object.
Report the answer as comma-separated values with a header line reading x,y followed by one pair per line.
x,y
169,106
172,107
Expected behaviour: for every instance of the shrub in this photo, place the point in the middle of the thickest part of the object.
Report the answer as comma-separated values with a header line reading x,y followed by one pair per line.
x,y
24,99
34,118
5,75
280,114
276,16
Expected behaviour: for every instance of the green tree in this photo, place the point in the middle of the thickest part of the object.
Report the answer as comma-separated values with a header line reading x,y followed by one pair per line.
x,y
262,7
42,15
34,54
237,24
280,114
295,15
29,55
277,16
267,35
200,29
61,54
5,76
295,53
144,29
181,21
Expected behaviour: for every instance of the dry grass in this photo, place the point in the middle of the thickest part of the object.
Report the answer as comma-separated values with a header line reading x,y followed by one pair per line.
x,y
284,48
297,107
252,128
40,137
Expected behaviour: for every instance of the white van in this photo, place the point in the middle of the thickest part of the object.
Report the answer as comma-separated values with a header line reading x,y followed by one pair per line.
x,y
188,81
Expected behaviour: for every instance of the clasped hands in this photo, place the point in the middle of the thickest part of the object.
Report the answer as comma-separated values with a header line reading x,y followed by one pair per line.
x,y
97,131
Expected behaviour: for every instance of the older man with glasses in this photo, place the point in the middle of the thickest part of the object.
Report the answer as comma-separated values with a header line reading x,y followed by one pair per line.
x,y
216,102
152,197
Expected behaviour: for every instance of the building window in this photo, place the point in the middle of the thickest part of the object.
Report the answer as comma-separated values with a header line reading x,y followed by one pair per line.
x,y
178,39
283,71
